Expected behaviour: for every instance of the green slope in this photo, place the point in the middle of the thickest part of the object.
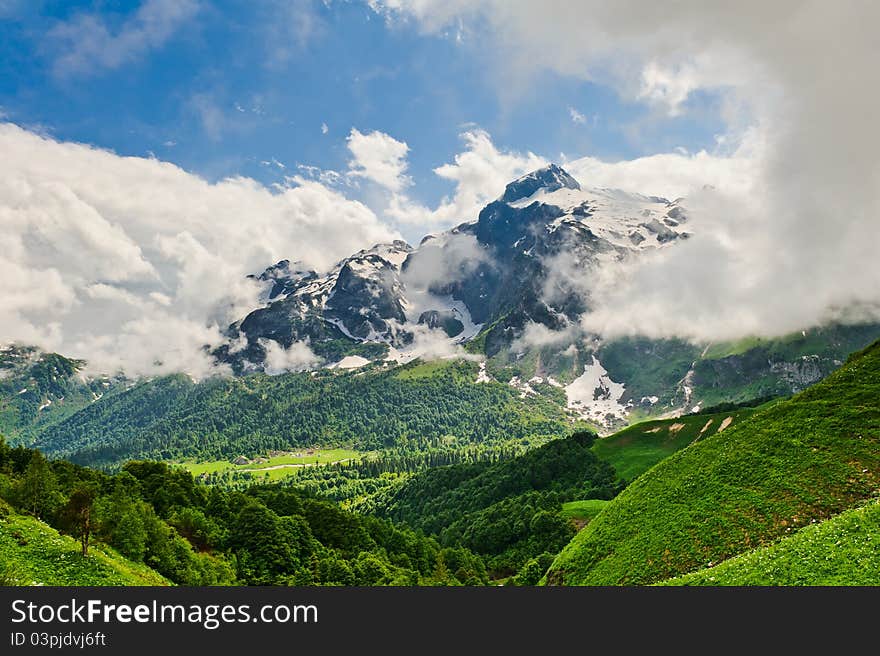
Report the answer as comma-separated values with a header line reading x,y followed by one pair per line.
x,y
634,450
34,553
804,459
175,418
843,550
583,510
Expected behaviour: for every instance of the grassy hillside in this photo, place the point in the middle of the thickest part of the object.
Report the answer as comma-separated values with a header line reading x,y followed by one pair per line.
x,y
843,550
634,450
583,510
34,553
174,418
801,460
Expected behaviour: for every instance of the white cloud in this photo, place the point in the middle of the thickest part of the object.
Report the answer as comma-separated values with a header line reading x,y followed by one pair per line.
x,y
136,264
324,128
537,335
432,344
479,173
678,174
86,44
576,116
380,158
666,87
279,360
793,77
458,258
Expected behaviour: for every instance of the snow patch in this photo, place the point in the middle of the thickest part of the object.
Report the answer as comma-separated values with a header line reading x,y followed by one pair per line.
x,y
524,388
594,396
618,217
349,362
418,301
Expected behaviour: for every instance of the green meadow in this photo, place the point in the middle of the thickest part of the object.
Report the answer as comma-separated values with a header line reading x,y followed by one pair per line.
x,y
278,466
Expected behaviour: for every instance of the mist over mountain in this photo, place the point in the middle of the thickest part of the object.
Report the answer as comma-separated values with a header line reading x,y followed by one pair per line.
x,y
514,288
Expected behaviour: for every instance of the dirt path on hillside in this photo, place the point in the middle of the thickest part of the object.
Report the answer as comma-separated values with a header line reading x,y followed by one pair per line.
x,y
293,465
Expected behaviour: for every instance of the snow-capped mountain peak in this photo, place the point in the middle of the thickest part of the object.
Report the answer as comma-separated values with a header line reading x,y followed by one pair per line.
x,y
549,178
491,271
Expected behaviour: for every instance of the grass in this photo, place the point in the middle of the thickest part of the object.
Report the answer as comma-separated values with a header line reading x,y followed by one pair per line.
x,y
583,510
458,372
843,550
720,350
802,460
33,553
635,449
285,463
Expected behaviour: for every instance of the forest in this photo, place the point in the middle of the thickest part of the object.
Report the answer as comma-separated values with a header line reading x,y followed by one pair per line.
x,y
508,511
453,524
194,534
411,407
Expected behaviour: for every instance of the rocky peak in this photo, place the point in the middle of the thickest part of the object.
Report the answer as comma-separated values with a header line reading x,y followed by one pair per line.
x,y
285,277
550,178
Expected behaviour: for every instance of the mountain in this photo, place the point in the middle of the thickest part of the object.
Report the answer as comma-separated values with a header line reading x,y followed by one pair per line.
x,y
417,407
508,285
489,274
357,308
792,465
39,389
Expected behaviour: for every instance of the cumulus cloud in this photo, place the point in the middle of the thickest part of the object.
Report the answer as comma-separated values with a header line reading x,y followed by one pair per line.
x,y
380,158
86,44
135,264
479,173
798,247
666,87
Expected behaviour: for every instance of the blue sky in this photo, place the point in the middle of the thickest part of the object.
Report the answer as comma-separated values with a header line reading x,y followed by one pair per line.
x,y
229,85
